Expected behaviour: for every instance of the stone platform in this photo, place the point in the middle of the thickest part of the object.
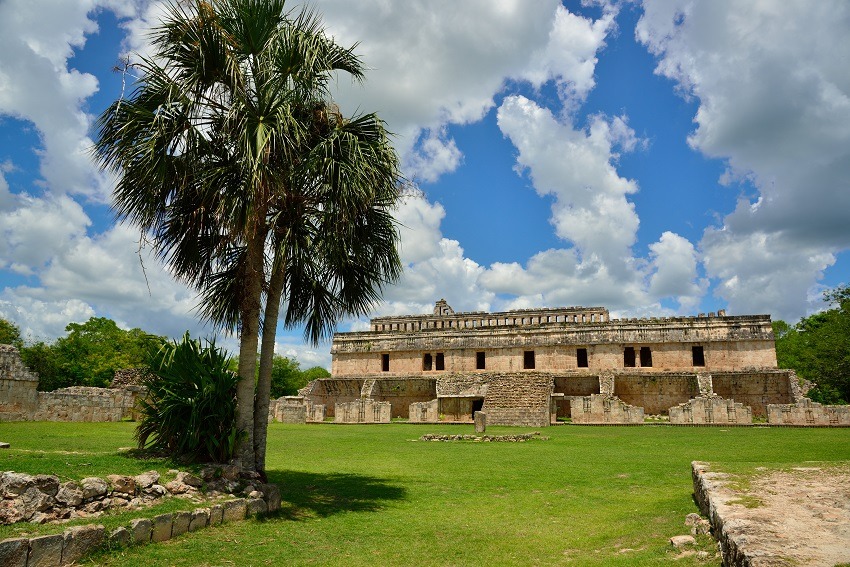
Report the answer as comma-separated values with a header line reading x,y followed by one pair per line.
x,y
797,516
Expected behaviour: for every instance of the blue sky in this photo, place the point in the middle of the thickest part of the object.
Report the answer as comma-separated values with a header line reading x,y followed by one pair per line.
x,y
655,157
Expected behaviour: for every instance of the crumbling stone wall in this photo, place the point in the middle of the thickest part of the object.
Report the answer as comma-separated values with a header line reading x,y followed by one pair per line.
x,y
602,409
712,410
20,400
401,392
330,391
808,413
655,393
755,387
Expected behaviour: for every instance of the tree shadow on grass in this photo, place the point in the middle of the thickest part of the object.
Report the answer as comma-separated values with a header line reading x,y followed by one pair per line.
x,y
305,495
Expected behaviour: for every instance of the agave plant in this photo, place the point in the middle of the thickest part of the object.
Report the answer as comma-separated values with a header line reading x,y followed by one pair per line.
x,y
190,407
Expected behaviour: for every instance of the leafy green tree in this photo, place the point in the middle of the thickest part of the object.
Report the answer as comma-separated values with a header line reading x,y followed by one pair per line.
x,y
286,377
818,348
191,403
42,359
229,147
10,334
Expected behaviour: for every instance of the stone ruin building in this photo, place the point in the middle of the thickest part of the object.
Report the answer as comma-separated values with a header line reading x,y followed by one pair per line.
x,y
526,367
533,366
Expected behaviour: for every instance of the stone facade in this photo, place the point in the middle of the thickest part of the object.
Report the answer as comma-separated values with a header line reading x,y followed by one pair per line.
x,y
362,411
532,366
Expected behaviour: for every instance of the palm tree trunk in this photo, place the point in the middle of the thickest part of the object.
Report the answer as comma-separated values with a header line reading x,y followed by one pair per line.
x,y
261,402
248,341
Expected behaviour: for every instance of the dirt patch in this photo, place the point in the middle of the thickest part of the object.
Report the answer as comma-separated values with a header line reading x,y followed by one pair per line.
x,y
797,516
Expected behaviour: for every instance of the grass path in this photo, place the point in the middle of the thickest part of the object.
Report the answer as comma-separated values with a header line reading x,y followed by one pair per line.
x,y
373,495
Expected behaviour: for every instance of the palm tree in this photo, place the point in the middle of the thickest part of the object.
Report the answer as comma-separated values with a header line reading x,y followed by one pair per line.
x,y
249,183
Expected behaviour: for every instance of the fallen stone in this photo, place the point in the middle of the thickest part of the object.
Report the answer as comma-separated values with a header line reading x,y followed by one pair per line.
x,y
681,541
13,552
80,541
9,512
177,487
140,530
161,530
230,472
189,479
122,484
146,479
45,551
70,494
47,483
155,491
200,519
120,537
180,523
14,484
4,445
93,487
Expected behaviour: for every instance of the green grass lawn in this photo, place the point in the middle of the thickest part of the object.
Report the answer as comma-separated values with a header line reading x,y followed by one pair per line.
x,y
373,495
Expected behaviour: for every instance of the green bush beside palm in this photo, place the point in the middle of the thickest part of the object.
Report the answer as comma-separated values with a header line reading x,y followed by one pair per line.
x,y
190,408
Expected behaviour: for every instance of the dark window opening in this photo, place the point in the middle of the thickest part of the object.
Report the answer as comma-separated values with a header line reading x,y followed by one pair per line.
x,y
581,358
426,362
645,357
629,357
479,361
477,405
385,363
528,360
699,355
440,363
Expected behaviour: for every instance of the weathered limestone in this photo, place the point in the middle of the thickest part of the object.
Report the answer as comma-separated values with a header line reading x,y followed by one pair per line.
x,y
808,413
140,530
13,552
234,510
518,399
712,410
288,409
161,527
424,412
601,409
362,411
79,541
480,422
45,551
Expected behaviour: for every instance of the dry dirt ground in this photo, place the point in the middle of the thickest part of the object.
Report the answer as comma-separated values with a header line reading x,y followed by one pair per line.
x,y
791,517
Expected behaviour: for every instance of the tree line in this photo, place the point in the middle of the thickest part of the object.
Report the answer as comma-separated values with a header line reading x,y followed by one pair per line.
x,y
818,348
91,353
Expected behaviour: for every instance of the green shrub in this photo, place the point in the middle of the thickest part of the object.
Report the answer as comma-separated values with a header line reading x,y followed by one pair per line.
x,y
190,408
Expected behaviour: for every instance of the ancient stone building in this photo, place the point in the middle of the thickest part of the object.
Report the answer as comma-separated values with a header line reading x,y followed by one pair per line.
x,y
531,366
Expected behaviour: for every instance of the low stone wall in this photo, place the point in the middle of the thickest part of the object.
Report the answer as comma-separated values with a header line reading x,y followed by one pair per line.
x,y
601,409
288,409
424,412
362,411
757,388
808,413
69,547
712,410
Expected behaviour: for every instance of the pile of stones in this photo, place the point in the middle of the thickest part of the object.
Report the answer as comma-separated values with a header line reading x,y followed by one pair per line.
x,y
44,498
518,438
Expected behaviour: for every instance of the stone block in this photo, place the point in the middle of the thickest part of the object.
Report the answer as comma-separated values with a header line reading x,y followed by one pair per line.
x,y
140,529
161,529
180,523
120,537
255,507
200,519
80,541
122,484
271,493
216,514
93,488
13,552
480,422
601,409
45,551
234,510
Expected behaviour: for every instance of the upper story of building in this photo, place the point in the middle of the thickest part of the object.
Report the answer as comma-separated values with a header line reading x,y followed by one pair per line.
x,y
554,339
